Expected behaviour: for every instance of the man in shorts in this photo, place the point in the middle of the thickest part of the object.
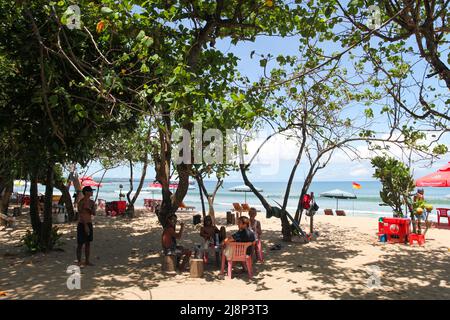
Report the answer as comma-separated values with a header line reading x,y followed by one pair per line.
x,y
85,230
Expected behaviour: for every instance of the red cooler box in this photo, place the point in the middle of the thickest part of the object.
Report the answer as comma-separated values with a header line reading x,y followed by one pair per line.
x,y
395,229
121,206
115,207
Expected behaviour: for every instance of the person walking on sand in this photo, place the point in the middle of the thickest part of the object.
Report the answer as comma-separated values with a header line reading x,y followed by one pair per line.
x,y
85,230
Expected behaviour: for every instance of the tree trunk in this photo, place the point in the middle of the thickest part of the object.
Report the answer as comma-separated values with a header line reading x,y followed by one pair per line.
x,y
98,189
162,168
211,211
211,198
23,194
285,225
2,184
34,206
7,192
286,228
46,232
292,175
76,184
66,199
130,207
299,211
202,200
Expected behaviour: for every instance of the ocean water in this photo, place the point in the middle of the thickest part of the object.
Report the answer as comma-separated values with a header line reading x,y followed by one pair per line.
x,y
367,203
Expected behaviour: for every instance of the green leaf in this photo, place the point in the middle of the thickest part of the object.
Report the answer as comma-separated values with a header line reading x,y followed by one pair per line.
x,y
140,35
106,10
147,41
144,68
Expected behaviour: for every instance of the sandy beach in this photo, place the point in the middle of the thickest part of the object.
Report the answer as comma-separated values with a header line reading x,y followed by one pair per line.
x,y
338,265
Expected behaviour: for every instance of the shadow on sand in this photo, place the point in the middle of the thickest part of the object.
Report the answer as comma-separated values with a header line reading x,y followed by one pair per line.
x,y
126,255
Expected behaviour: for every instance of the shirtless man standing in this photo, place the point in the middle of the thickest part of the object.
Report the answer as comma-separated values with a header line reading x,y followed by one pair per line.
x,y
85,231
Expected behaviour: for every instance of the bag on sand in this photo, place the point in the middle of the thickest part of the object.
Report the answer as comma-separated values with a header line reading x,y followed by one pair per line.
x,y
312,210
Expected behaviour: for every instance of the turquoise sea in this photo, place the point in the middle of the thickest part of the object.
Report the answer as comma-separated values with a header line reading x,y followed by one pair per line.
x,y
367,203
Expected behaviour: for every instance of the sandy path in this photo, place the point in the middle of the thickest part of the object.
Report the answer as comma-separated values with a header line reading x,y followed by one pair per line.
x,y
127,265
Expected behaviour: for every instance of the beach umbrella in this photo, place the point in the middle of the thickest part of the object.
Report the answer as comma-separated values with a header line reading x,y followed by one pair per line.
x,y
19,183
245,189
89,182
338,194
440,178
156,186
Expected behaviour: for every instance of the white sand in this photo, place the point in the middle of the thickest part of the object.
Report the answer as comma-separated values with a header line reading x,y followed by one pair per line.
x,y
127,265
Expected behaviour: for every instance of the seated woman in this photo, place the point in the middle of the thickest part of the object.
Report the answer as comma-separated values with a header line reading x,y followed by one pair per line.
x,y
169,242
211,236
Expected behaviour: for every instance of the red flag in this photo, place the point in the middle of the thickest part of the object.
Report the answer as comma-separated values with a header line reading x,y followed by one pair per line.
x,y
356,185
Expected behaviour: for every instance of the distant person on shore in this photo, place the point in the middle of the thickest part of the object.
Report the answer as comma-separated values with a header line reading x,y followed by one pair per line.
x,y
169,242
419,196
85,230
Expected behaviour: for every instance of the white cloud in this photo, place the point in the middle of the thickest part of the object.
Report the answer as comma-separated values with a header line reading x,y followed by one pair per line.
x,y
361,172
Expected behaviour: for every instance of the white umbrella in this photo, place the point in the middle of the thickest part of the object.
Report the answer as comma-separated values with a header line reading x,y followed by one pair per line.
x,y
245,189
338,194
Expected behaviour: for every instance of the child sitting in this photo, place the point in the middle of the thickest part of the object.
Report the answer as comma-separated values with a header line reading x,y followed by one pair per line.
x,y
208,231
244,234
169,242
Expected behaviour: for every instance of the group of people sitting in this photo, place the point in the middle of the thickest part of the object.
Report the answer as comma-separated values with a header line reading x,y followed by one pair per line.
x,y
249,231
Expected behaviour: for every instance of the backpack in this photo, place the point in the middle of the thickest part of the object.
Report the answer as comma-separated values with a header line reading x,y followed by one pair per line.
x,y
306,201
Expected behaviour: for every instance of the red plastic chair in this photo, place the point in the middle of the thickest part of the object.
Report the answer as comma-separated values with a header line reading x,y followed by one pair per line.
x,y
442,213
258,251
239,254
340,213
419,238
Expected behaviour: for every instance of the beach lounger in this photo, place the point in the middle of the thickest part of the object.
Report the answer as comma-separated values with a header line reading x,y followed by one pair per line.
x,y
237,209
340,213
246,208
328,212
184,208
